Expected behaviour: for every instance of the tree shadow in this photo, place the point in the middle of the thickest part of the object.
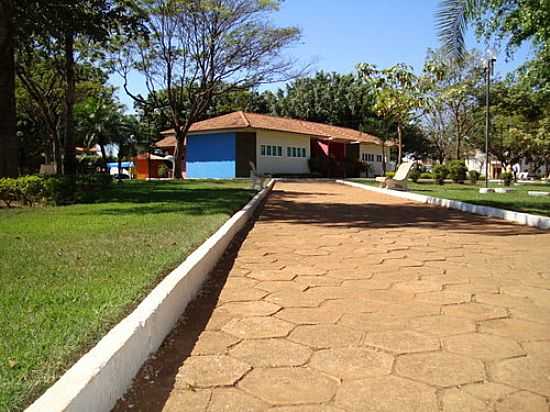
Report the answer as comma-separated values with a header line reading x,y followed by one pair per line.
x,y
286,208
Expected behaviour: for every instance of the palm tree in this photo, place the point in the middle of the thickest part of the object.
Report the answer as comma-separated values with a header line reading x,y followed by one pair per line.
x,y
452,18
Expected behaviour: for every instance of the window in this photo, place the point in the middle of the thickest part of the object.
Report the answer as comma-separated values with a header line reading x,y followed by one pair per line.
x,y
367,157
379,158
271,150
296,152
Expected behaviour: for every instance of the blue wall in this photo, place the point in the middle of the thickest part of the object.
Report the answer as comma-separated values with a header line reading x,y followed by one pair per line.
x,y
211,156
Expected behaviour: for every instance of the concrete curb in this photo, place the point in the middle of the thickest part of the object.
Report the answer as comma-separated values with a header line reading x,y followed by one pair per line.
x,y
98,379
540,222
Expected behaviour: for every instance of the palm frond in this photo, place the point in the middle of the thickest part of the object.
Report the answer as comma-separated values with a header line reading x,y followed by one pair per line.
x,y
452,18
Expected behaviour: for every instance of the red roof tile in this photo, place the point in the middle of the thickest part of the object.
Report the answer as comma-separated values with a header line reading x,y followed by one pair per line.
x,y
243,120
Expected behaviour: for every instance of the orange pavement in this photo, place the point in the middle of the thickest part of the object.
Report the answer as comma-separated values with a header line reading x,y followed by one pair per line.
x,y
339,299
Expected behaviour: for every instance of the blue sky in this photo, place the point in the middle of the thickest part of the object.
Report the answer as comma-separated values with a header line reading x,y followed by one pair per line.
x,y
337,35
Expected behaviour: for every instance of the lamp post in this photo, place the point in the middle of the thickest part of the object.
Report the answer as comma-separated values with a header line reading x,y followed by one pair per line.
x,y
490,59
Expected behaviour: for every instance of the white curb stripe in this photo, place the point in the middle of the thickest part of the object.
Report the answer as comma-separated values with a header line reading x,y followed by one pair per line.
x,y
528,219
98,379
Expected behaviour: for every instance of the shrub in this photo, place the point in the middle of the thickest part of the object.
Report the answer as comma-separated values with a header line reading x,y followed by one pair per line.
x,y
426,175
61,190
9,191
457,171
163,171
440,173
390,174
474,176
507,177
32,189
414,174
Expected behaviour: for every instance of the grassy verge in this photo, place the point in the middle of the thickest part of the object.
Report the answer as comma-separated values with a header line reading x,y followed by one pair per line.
x,y
69,273
518,200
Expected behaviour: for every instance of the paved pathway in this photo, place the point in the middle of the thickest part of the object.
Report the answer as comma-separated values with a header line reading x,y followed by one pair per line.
x,y
343,299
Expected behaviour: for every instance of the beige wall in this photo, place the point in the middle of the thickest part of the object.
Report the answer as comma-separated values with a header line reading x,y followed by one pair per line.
x,y
283,164
375,150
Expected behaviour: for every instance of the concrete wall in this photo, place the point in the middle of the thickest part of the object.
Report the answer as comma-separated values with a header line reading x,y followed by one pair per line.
x,y
375,150
211,155
282,164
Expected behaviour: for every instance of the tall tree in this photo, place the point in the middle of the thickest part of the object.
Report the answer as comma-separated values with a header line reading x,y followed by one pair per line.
x,y
196,50
9,157
65,30
450,89
398,96
338,99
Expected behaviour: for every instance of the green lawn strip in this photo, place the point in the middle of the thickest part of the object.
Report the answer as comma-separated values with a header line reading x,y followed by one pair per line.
x,y
518,200
70,273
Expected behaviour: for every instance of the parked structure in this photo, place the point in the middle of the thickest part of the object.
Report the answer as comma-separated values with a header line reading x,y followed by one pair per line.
x,y
526,168
224,146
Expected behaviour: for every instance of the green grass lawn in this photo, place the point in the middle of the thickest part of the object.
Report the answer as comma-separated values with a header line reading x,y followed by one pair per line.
x,y
70,273
518,200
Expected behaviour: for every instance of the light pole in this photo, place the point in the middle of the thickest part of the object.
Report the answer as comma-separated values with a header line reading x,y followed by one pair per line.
x,y
490,59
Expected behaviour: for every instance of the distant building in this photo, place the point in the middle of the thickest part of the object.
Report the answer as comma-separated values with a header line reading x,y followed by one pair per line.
x,y
224,147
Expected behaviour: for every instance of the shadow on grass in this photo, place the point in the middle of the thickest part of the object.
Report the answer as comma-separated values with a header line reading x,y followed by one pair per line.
x,y
141,198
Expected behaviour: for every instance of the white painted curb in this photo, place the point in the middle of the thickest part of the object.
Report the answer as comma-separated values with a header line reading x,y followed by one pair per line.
x,y
103,375
528,219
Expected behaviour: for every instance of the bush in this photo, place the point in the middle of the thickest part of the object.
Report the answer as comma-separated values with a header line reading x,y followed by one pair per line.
x,y
163,171
415,174
29,190
507,177
426,175
440,173
474,176
9,191
32,189
390,174
457,171
61,190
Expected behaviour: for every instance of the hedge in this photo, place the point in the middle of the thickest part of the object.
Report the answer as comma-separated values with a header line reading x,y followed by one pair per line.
x,y
31,190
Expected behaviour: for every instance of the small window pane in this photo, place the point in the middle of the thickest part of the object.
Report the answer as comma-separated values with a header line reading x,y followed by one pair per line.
x,y
263,150
293,152
288,150
303,152
269,150
279,150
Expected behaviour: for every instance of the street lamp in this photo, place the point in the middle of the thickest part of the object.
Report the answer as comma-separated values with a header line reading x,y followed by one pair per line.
x,y
490,59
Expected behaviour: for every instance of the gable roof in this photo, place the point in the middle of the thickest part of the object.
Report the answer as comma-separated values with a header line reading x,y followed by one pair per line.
x,y
244,120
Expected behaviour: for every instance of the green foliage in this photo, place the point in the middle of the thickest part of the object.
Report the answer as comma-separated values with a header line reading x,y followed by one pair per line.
x,y
9,190
426,175
29,190
457,171
163,170
507,177
390,174
440,173
71,273
474,176
415,173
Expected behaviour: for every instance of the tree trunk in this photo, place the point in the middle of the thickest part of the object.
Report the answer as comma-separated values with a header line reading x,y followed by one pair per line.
x,y
9,156
384,158
179,155
58,159
458,144
400,145
69,161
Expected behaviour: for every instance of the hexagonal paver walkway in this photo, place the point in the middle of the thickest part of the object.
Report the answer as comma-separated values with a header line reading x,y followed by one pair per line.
x,y
340,299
